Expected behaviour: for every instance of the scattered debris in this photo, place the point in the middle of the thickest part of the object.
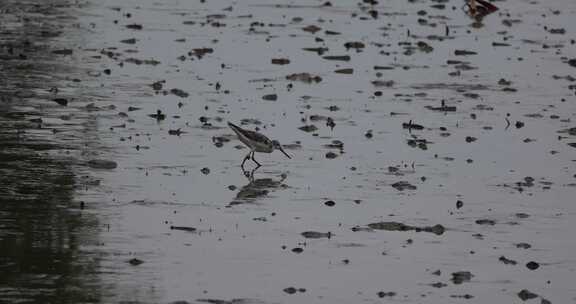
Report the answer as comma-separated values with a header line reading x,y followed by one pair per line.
x,y
396,226
403,185
102,164
316,235
135,262
183,228
461,277
525,295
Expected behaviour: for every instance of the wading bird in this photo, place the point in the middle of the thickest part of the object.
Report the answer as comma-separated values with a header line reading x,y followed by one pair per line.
x,y
257,142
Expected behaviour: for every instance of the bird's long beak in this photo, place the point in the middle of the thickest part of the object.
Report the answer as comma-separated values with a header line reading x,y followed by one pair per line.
x,y
282,150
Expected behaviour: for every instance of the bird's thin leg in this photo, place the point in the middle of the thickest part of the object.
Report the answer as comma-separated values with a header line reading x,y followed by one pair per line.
x,y
245,159
253,159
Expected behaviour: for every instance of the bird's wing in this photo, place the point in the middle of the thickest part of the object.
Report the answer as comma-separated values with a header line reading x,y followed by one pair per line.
x,y
256,137
248,135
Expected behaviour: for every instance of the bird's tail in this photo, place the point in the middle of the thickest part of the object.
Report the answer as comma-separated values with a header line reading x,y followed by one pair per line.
x,y
234,127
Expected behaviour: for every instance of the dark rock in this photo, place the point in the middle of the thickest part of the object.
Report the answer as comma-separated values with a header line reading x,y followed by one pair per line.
x,y
135,262
62,52
412,126
137,61
368,134
396,226
311,29
507,261
297,250
158,116
344,71
308,128
523,246
464,53
205,171
558,31
424,47
157,86
270,97
358,229
436,229
183,228
304,77
232,301
316,234
382,294
438,285
354,45
461,277
331,155
61,101
102,164
176,132
532,265
403,185
381,67
330,203
338,58
290,290
390,226
318,50
420,143
200,52
442,108
134,26
335,144
486,222
464,296
179,93
129,41
280,61
526,295
459,204
383,83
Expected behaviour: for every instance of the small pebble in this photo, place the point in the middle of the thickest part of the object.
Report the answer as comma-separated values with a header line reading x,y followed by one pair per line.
x,y
532,265
459,204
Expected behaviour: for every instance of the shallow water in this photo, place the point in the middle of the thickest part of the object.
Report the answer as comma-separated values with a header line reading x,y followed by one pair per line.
x,y
70,230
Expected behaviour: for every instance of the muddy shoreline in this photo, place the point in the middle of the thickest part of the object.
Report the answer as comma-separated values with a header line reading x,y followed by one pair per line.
x,y
432,155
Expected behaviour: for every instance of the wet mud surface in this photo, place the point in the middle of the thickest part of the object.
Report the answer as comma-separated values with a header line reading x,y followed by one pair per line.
x,y
432,154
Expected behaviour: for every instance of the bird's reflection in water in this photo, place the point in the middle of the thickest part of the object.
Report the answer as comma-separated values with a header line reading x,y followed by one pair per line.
x,y
257,188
